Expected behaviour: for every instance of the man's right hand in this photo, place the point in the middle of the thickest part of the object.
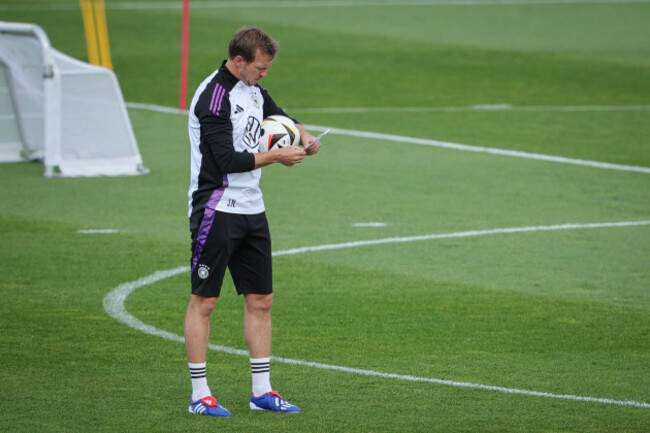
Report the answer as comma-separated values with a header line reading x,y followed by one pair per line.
x,y
289,156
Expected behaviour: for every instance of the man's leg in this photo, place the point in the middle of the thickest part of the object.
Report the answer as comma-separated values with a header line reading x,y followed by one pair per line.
x,y
197,327
258,330
197,335
257,324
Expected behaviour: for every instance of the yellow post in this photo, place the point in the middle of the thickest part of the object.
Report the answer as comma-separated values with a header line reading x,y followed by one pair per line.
x,y
102,34
94,16
91,32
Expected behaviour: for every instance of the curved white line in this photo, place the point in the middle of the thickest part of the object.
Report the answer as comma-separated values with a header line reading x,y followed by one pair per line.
x,y
471,233
114,304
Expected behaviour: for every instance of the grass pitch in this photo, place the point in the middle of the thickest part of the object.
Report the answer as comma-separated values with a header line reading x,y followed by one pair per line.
x,y
563,312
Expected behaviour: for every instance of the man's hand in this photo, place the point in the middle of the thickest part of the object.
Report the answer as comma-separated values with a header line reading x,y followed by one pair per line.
x,y
306,138
289,156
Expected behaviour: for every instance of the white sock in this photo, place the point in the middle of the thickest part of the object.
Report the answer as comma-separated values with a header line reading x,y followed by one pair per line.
x,y
261,374
200,387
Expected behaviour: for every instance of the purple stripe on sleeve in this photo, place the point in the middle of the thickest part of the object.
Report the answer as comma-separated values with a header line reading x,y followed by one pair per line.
x,y
213,101
223,92
206,222
214,92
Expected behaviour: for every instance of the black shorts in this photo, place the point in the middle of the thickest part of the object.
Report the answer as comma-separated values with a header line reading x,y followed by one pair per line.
x,y
241,243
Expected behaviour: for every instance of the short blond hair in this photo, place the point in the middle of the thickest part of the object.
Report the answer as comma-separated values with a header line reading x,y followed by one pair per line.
x,y
248,40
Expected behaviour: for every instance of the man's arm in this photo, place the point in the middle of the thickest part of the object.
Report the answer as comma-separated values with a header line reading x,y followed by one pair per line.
x,y
217,135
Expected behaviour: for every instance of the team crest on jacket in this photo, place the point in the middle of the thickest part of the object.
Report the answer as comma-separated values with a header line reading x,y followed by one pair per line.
x,y
256,102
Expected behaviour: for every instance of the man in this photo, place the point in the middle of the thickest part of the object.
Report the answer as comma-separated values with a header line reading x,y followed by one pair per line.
x,y
227,220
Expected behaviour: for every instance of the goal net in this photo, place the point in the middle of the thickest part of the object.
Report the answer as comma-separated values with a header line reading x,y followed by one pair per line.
x,y
65,112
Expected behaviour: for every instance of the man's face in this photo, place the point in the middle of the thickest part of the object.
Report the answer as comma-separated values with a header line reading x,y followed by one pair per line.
x,y
251,73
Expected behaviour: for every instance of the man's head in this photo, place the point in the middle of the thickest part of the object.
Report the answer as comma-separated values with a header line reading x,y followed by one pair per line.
x,y
250,54
248,40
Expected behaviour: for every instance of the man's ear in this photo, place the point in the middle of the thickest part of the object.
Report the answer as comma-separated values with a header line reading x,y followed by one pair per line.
x,y
239,61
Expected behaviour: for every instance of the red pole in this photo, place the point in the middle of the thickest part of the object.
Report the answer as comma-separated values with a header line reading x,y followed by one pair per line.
x,y
184,54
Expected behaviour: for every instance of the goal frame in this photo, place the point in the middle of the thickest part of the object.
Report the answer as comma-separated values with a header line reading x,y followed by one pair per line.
x,y
53,148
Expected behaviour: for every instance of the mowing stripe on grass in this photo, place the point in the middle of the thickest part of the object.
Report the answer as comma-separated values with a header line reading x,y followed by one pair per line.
x,y
114,304
314,4
442,144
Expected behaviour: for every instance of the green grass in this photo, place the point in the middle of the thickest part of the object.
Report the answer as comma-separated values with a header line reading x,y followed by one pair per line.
x,y
562,312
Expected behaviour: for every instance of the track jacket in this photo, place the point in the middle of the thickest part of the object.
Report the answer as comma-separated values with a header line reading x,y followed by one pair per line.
x,y
224,126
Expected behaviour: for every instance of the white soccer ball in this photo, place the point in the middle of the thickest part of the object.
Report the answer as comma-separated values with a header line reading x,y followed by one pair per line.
x,y
278,132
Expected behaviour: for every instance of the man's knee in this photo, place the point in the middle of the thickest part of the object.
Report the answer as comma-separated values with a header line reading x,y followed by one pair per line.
x,y
202,305
259,303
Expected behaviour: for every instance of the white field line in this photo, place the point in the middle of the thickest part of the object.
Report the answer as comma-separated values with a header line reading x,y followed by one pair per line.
x,y
481,107
312,4
441,144
114,304
97,231
156,108
478,107
467,234
372,224
481,149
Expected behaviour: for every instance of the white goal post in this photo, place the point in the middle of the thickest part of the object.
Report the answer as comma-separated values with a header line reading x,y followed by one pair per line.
x,y
58,109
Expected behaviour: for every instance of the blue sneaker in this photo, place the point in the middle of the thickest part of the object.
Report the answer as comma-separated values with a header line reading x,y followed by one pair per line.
x,y
208,406
272,401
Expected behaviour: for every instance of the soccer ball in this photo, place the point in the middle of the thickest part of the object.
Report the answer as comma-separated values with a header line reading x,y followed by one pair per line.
x,y
278,132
